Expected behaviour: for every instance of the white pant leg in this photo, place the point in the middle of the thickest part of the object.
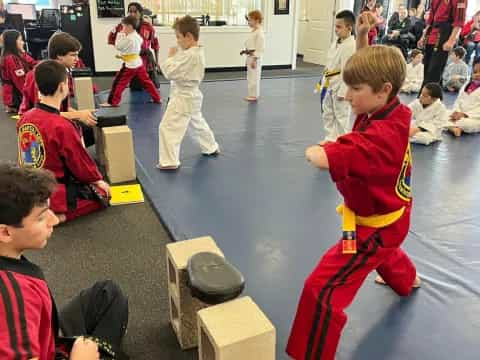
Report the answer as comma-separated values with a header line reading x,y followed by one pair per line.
x,y
424,138
171,131
253,77
343,116
328,117
468,125
201,132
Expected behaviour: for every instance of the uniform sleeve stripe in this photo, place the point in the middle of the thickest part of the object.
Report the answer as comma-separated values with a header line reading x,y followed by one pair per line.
x,y
7,302
21,311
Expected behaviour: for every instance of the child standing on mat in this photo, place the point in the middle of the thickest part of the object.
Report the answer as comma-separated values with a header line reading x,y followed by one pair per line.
x,y
129,43
254,48
371,167
466,111
336,112
430,115
185,68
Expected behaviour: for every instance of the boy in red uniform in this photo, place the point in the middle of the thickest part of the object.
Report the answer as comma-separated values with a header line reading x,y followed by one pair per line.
x,y
48,140
371,167
63,48
150,41
444,24
29,321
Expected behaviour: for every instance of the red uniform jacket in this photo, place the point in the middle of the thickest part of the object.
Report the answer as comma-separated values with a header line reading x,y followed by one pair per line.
x,y
147,32
453,11
47,140
30,94
468,29
27,312
371,166
13,72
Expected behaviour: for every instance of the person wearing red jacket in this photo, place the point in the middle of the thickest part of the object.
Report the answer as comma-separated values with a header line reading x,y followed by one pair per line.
x,y
444,24
15,64
48,140
471,37
371,167
64,48
150,41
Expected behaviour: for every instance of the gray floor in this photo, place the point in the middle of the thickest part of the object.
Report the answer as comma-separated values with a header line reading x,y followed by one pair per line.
x,y
126,244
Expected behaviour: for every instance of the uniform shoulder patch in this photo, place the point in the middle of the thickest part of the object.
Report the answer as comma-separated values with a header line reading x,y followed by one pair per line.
x,y
403,188
31,148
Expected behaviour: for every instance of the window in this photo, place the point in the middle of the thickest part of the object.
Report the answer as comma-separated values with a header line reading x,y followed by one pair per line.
x,y
233,12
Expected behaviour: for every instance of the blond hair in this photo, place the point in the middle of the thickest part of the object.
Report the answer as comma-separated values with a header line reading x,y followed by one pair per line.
x,y
256,15
376,66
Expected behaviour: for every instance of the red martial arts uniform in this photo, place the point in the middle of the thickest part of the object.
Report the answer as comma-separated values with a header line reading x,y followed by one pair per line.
x,y
371,168
150,40
48,140
14,70
129,47
30,94
444,16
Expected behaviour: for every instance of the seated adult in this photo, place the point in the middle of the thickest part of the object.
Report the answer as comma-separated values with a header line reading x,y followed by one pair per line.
x,y
471,37
399,31
48,140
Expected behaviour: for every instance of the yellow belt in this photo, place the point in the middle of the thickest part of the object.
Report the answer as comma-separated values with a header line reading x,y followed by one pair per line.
x,y
327,75
128,57
350,221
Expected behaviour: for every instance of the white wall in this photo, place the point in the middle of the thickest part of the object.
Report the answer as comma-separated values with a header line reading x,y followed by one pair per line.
x,y
222,44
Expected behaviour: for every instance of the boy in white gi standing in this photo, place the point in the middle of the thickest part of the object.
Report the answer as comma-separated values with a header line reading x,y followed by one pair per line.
x,y
185,67
336,111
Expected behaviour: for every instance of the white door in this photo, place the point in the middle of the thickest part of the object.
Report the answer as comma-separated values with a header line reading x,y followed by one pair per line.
x,y
319,32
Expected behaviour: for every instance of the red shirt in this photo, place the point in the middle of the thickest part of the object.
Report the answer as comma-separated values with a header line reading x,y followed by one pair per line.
x,y
30,94
14,70
468,29
446,11
368,164
28,325
48,140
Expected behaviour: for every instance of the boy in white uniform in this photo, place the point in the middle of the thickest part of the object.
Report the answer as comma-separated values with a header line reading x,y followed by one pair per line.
x,y
185,67
129,43
430,115
466,111
414,80
336,111
254,49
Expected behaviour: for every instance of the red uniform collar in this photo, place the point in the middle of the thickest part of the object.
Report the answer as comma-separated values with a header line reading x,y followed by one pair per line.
x,y
21,266
386,110
47,108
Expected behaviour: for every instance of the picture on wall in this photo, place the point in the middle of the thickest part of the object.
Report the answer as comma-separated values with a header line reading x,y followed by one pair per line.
x,y
282,7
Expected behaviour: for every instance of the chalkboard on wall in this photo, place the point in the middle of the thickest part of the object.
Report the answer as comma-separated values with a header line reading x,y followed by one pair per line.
x,y
110,8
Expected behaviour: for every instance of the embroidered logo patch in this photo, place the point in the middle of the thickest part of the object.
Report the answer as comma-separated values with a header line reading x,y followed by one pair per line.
x,y
31,149
403,188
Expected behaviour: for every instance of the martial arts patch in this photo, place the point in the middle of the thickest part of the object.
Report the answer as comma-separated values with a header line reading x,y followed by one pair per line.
x,y
403,188
31,149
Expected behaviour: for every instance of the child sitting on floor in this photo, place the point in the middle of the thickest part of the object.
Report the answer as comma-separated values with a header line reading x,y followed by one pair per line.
x,y
413,81
430,115
466,111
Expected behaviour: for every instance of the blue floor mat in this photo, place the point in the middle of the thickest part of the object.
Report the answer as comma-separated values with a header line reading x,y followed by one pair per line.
x,y
273,215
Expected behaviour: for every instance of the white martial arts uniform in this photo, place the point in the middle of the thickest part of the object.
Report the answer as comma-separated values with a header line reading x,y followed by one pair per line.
x,y
433,119
186,70
414,79
336,113
470,105
256,42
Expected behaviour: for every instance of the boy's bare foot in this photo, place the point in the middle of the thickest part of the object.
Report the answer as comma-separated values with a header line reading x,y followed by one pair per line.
x,y
250,98
416,284
11,110
106,104
455,130
61,218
